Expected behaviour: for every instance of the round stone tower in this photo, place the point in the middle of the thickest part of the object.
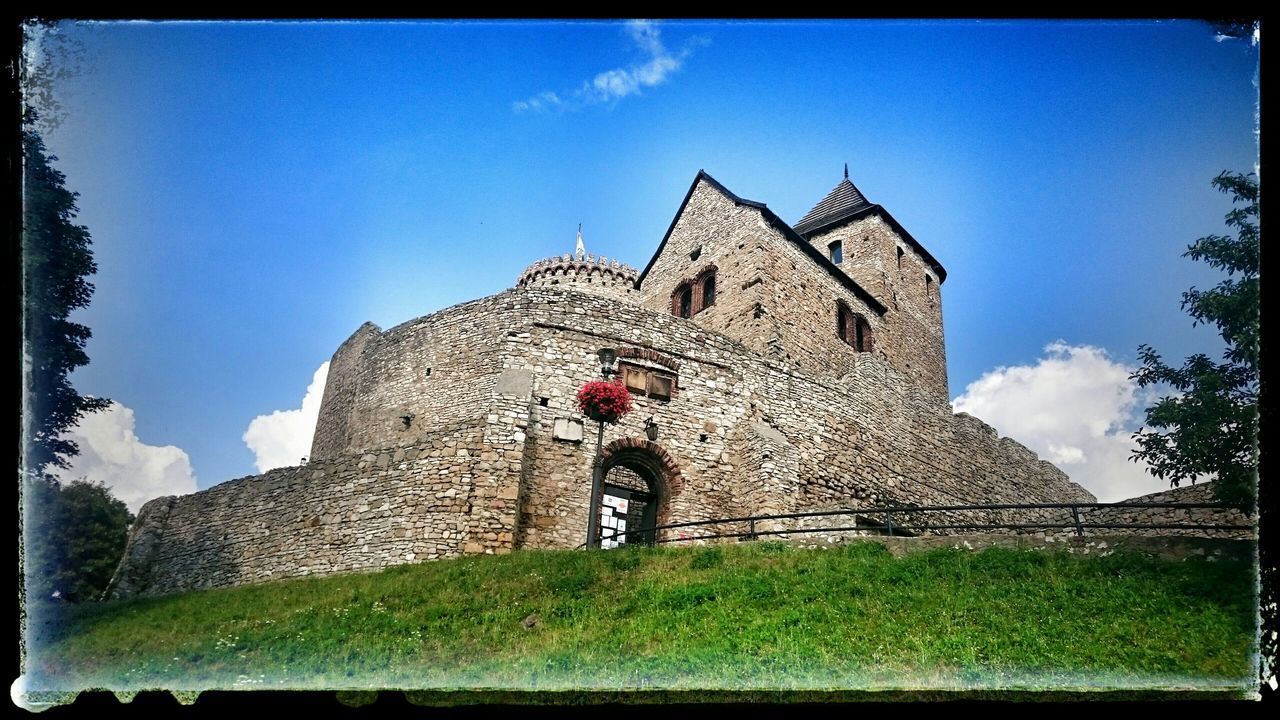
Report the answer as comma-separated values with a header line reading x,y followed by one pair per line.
x,y
582,271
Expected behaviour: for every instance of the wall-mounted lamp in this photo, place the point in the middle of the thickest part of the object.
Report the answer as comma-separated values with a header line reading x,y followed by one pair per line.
x,y
304,461
651,429
607,356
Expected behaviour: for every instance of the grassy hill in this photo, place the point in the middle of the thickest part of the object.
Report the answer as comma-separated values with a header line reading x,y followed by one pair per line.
x,y
749,616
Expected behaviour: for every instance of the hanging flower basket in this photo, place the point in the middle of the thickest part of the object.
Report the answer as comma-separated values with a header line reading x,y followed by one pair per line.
x,y
604,401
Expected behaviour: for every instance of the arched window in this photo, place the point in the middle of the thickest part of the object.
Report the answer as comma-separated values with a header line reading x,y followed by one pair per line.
x,y
852,328
693,296
682,300
862,334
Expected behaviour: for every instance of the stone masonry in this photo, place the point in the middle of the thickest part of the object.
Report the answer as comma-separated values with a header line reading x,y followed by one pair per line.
x,y
793,384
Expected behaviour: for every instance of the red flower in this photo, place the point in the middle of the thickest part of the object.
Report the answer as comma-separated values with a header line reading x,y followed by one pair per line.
x,y
604,401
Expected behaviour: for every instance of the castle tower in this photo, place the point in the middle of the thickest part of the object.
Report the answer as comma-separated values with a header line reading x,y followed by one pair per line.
x,y
583,272
871,247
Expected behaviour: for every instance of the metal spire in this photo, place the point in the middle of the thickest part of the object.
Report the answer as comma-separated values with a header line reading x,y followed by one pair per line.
x,y
846,171
580,250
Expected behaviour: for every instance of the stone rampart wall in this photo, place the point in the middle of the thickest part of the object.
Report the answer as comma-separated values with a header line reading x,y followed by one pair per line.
x,y
437,496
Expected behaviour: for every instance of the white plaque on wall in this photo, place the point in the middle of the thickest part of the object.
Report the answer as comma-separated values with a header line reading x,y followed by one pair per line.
x,y
567,429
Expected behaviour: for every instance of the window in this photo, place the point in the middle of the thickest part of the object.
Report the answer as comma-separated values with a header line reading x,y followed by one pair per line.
x,y
928,286
648,381
693,296
835,251
852,328
899,258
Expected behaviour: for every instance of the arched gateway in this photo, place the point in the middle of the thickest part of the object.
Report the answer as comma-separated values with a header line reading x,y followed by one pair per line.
x,y
640,479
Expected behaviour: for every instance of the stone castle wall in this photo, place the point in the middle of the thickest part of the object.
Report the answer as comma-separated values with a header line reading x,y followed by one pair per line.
x,y
915,343
742,434
1198,493
433,495
770,296
436,370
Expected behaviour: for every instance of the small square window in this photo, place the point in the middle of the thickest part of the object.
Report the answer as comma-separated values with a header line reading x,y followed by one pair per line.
x,y
634,379
660,386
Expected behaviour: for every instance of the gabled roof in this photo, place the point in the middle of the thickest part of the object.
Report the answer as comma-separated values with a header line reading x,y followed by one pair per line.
x,y
845,204
841,202
778,224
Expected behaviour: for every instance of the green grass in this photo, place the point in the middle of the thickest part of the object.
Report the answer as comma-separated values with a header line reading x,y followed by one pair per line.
x,y
759,616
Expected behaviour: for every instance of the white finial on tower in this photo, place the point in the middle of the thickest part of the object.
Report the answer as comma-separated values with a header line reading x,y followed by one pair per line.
x,y
580,250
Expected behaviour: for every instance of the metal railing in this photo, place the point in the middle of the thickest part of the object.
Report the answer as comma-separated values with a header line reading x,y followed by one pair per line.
x,y
887,524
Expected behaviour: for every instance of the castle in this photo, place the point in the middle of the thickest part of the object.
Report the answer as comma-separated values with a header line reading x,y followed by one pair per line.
x,y
785,368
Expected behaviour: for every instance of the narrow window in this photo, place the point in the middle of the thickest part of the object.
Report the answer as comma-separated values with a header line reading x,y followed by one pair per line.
x,y
862,331
853,329
928,286
835,251
899,258
686,301
709,291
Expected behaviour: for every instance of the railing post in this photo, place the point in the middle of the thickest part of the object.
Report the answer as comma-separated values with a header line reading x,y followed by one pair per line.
x,y
1075,514
752,532
889,521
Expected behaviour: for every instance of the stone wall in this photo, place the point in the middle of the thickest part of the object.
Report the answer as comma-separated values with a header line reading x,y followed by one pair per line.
x,y
748,432
771,296
480,467
1190,494
915,342
432,496
435,370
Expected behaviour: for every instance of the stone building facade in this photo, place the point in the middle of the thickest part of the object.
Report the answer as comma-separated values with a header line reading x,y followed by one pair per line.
x,y
786,369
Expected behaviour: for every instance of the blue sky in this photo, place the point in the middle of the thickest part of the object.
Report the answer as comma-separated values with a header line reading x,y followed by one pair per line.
x,y
256,191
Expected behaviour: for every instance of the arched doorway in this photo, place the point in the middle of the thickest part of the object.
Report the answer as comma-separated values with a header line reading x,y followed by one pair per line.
x,y
639,480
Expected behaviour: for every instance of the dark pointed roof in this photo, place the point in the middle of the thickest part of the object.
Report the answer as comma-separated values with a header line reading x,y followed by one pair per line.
x,y
841,202
846,203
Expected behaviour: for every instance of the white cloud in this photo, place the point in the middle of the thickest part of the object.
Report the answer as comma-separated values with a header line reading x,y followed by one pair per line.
x,y
618,82
1077,409
283,438
111,453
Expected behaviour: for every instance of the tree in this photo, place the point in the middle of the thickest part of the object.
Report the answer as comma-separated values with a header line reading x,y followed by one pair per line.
x,y
1209,426
56,260
74,534
80,533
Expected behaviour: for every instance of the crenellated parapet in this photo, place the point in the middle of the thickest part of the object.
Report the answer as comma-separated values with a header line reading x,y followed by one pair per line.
x,y
583,272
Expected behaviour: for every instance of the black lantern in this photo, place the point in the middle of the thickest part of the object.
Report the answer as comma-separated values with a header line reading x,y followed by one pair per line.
x,y
607,356
651,429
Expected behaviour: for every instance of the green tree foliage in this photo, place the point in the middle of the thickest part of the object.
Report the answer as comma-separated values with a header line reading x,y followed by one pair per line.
x,y
1209,425
73,534
81,532
56,262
